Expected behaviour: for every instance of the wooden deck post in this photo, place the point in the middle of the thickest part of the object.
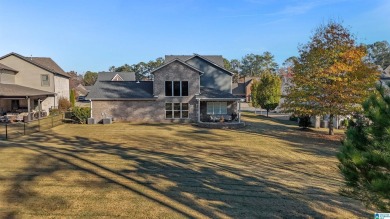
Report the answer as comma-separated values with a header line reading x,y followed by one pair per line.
x,y
28,109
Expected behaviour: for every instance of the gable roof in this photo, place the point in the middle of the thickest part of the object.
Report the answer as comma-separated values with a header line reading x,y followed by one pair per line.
x,y
212,63
387,70
121,90
238,88
4,67
217,59
81,90
180,61
42,62
14,90
108,76
117,77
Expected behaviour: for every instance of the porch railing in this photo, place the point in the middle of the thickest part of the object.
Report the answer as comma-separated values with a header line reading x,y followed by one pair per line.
x,y
17,129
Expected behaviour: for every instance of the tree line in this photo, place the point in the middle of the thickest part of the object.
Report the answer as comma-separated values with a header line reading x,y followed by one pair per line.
x,y
250,65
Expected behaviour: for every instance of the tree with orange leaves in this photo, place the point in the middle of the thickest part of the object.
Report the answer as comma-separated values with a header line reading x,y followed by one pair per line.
x,y
330,76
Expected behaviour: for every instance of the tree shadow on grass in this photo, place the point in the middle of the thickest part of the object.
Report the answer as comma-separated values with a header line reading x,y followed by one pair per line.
x,y
310,142
193,178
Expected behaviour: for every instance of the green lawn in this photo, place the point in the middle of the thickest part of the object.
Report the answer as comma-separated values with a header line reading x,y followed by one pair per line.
x,y
267,169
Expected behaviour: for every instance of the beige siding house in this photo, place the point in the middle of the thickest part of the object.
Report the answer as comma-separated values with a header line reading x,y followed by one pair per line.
x,y
30,84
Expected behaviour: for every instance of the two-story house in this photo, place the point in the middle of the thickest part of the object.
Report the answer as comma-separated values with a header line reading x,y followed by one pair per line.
x,y
185,89
30,84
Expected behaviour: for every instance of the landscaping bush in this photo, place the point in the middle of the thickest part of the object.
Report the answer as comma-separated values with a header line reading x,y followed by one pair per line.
x,y
304,121
345,123
293,118
81,114
63,104
54,112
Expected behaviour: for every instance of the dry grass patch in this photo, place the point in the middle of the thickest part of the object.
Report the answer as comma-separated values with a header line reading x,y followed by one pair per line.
x,y
267,169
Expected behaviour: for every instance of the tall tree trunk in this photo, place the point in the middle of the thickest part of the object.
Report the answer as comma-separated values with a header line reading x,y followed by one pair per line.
x,y
331,124
267,112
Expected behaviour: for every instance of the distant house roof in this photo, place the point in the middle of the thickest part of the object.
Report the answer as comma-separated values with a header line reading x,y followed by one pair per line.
x,y
387,70
238,88
109,76
4,67
81,90
121,90
88,88
385,74
43,62
14,90
213,94
217,59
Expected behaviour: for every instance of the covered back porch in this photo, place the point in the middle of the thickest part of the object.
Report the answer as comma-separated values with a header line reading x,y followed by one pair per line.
x,y
19,103
218,108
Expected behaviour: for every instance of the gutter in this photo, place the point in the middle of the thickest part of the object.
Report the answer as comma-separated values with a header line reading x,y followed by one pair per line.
x,y
119,99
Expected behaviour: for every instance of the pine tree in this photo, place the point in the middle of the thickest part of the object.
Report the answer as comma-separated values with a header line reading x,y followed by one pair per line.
x,y
365,154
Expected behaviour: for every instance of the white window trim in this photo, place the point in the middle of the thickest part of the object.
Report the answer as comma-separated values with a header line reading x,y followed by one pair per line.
x,y
181,88
48,80
181,110
216,106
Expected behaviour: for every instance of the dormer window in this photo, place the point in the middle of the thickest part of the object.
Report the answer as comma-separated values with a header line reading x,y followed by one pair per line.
x,y
117,77
176,88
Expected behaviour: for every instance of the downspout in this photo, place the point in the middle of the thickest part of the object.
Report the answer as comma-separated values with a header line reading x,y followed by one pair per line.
x,y
239,111
198,110
90,106
55,92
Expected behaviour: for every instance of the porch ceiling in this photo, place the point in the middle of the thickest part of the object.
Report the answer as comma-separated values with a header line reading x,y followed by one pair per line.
x,y
18,91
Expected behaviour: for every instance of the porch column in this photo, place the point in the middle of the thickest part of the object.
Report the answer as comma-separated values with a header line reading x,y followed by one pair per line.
x,y
239,111
39,108
198,110
90,106
28,109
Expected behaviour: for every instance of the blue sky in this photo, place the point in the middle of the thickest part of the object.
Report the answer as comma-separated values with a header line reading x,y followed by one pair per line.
x,y
93,35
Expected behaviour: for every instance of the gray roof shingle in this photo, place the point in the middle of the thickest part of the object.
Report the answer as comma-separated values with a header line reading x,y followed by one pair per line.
x,y
209,93
108,76
14,90
116,90
43,62
238,88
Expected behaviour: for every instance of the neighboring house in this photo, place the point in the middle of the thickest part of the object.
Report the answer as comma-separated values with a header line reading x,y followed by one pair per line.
x,y
243,88
385,76
30,83
184,89
80,90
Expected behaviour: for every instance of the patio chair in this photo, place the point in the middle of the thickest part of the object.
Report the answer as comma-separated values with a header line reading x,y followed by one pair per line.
x,y
227,118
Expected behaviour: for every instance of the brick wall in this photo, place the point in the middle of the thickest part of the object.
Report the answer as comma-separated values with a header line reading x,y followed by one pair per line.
x,y
153,110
